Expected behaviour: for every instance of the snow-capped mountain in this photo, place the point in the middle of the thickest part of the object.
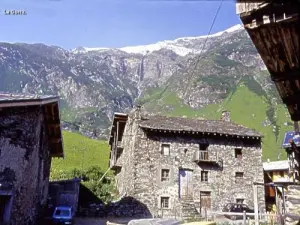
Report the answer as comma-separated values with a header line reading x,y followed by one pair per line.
x,y
95,82
181,46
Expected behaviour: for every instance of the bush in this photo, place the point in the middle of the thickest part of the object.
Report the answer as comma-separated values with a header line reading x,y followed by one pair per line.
x,y
104,190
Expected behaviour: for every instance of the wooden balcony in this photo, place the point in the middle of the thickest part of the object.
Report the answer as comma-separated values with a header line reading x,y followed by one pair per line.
x,y
205,156
114,160
114,163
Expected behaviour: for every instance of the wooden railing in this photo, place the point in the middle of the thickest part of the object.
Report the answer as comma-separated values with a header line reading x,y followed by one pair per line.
x,y
205,156
116,153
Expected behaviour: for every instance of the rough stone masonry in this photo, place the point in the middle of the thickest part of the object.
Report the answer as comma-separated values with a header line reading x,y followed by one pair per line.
x,y
168,163
25,160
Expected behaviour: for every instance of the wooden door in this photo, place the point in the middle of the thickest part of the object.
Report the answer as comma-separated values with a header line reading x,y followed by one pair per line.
x,y
185,183
205,201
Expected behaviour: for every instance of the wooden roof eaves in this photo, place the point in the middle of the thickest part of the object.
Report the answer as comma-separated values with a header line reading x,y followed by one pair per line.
x,y
57,141
118,117
202,132
27,102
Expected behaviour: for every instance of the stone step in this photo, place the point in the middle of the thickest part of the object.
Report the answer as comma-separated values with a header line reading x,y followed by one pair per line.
x,y
191,201
188,204
188,208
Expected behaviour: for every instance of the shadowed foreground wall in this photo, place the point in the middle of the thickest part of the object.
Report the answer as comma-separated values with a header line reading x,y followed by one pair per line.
x,y
24,162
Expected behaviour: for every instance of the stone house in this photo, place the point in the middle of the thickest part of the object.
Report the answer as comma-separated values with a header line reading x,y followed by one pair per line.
x,y
182,167
30,135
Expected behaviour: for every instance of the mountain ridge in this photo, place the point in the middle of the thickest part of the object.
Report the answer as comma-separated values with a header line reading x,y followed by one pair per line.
x,y
95,84
168,44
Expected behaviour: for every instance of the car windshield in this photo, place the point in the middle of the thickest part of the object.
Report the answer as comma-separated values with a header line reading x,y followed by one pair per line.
x,y
62,212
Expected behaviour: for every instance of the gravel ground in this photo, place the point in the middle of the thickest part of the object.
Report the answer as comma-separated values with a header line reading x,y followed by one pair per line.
x,y
101,221
113,221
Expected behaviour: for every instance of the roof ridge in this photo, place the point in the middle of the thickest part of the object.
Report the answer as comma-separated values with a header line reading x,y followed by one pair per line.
x,y
173,123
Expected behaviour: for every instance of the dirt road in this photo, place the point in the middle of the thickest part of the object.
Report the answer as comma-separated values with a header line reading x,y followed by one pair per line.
x,y
100,221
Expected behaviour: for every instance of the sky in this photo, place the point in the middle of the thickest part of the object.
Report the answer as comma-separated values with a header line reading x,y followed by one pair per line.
x,y
111,23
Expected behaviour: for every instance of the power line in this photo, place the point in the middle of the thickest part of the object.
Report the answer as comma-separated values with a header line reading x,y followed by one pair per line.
x,y
190,77
200,54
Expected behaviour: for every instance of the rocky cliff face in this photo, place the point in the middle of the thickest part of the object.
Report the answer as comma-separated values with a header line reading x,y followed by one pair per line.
x,y
93,83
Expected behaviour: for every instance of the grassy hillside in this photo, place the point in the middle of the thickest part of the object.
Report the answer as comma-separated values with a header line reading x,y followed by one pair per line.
x,y
249,106
81,153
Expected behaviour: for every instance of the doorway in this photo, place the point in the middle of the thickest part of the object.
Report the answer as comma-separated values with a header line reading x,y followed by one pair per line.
x,y
185,183
5,208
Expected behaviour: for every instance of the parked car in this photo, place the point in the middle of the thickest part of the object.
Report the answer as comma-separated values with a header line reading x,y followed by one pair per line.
x,y
237,208
63,215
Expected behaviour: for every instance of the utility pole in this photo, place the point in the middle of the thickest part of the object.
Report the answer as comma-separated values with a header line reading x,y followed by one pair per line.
x,y
255,204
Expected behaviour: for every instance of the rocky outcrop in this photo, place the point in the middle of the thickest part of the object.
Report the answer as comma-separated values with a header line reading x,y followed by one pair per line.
x,y
95,83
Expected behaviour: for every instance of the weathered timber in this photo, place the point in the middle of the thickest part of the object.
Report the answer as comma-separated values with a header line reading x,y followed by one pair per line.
x,y
274,30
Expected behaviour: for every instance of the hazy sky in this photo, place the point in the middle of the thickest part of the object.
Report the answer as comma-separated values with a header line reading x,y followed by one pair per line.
x,y
111,23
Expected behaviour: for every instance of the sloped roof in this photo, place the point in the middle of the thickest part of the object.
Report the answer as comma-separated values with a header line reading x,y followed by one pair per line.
x,y
10,100
50,110
196,125
276,165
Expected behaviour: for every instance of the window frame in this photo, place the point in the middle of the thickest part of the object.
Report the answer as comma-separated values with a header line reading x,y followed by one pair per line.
x,y
204,176
162,178
239,178
162,147
162,199
281,173
238,153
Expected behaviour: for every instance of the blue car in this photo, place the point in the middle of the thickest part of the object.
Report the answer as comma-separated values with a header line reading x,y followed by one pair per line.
x,y
63,215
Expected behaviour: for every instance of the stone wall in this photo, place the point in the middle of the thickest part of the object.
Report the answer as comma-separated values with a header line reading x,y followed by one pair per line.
x,y
126,207
24,162
293,205
125,177
148,163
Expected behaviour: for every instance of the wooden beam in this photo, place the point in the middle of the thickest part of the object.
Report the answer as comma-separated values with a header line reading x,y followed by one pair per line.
x,y
52,122
275,8
292,99
53,125
26,103
291,75
55,140
118,131
52,111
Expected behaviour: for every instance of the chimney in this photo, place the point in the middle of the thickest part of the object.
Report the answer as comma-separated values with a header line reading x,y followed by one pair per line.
x,y
137,113
225,116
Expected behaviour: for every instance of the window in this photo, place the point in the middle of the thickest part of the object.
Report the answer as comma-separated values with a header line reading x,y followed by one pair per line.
x,y
165,175
205,199
165,149
185,151
164,202
239,176
238,153
203,147
204,176
281,173
62,212
239,200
